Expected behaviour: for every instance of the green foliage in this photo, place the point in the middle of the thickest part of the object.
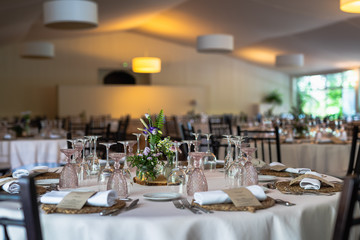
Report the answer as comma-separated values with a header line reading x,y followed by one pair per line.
x,y
159,124
145,163
273,97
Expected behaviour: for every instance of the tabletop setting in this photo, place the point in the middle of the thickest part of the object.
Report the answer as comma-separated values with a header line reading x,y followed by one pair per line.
x,y
149,188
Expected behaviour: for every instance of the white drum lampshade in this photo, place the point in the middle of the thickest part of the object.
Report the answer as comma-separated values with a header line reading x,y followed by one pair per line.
x,y
290,60
146,65
43,50
70,14
215,43
351,6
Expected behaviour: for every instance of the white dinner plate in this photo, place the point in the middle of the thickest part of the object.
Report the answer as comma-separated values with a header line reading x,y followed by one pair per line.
x,y
161,196
47,181
266,178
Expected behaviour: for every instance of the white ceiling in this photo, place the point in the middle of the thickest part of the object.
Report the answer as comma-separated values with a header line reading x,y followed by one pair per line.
x,y
329,38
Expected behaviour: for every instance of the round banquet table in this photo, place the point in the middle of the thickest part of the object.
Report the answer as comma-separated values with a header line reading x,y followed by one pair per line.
x,y
312,217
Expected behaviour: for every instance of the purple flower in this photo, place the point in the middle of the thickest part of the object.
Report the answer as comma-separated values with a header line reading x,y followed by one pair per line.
x,y
146,151
140,155
149,158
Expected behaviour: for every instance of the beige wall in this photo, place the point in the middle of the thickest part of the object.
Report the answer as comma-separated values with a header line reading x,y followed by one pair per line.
x,y
229,85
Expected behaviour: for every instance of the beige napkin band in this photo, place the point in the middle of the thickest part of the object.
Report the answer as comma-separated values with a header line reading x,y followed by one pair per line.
x,y
322,180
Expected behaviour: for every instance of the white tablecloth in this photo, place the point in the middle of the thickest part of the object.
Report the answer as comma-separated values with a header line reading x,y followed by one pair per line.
x,y
312,218
17,153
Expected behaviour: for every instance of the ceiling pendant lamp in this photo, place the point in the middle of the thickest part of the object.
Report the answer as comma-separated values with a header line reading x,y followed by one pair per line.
x,y
70,14
290,60
221,43
146,65
351,6
39,50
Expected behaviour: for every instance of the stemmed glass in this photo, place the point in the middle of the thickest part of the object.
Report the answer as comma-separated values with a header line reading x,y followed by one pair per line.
x,y
209,158
95,163
84,171
125,169
250,175
138,142
131,147
73,144
177,177
90,156
228,157
197,180
189,167
105,173
68,176
234,173
196,142
117,181
146,136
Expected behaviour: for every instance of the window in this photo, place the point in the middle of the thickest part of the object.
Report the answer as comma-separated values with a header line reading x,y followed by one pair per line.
x,y
328,95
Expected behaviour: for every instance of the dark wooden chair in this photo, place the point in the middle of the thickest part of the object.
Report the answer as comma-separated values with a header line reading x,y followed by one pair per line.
x,y
345,219
28,200
263,141
354,162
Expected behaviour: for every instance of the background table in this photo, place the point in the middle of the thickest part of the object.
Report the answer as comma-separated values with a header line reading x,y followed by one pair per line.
x,y
30,152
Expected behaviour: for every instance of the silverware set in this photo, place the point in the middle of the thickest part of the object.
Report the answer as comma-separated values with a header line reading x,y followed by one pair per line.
x,y
184,204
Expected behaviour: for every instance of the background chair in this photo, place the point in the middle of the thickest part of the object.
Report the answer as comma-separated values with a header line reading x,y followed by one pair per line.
x,y
28,200
345,219
263,140
354,162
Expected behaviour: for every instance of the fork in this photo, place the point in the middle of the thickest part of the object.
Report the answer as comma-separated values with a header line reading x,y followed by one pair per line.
x,y
178,205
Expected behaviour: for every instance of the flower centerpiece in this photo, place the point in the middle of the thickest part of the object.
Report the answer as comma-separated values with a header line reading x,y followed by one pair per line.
x,y
22,127
148,162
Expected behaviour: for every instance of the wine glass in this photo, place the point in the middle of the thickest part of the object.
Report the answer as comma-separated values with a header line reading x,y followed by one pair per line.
x,y
131,147
189,167
209,158
234,173
146,136
196,142
68,177
84,170
105,173
90,156
125,169
95,163
117,181
73,143
138,142
229,156
177,177
197,180
250,174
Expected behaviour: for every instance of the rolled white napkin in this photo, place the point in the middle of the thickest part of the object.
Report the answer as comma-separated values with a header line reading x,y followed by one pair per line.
x,y
214,197
298,170
100,199
20,173
11,187
40,169
311,183
7,136
291,170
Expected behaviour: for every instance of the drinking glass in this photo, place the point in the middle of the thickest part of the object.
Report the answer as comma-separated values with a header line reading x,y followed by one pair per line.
x,y
131,147
197,180
177,177
196,142
209,158
138,142
84,170
90,156
68,176
125,169
234,173
189,167
95,163
105,173
117,180
250,173
146,136
73,144
229,156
